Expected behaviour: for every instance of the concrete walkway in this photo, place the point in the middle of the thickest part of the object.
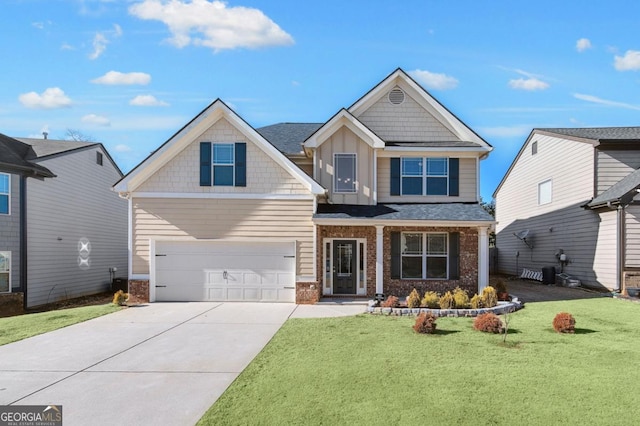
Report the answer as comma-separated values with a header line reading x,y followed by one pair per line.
x,y
160,364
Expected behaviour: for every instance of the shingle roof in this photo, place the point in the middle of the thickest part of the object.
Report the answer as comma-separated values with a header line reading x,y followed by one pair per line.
x,y
288,137
599,133
459,212
45,147
435,144
622,189
15,156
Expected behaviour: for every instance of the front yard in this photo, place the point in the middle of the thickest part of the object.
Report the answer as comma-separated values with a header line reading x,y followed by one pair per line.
x,y
376,370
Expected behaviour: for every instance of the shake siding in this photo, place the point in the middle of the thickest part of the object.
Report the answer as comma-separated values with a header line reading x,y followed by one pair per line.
x,y
10,230
407,122
181,174
77,204
468,184
240,220
632,241
614,165
345,141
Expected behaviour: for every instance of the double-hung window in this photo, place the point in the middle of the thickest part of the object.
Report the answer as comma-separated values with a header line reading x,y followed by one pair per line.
x,y
5,193
344,177
424,255
223,163
5,271
425,176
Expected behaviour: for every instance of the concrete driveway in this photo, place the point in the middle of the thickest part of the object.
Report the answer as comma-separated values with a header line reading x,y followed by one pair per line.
x,y
160,364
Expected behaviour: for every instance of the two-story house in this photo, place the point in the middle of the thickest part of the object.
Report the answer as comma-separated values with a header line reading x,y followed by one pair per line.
x,y
572,192
380,199
63,231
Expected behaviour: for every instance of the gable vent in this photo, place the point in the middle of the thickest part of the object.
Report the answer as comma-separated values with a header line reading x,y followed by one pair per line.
x,y
396,96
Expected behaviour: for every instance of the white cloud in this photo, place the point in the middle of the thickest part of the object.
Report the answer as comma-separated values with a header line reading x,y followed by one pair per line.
x,y
122,148
606,102
583,44
432,80
212,24
97,120
629,62
147,100
528,84
505,131
38,25
67,46
117,30
51,98
119,78
100,41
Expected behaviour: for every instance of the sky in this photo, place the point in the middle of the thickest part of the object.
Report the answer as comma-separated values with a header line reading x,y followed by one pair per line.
x,y
131,73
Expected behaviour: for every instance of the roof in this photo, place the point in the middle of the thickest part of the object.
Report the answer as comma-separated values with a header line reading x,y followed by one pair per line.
x,y
288,137
626,188
454,212
435,144
598,133
15,157
46,147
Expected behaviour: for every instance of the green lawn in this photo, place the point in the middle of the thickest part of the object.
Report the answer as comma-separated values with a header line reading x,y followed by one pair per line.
x,y
22,326
373,370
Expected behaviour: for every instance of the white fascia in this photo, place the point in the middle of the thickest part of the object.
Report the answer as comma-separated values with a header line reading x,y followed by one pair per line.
x,y
416,223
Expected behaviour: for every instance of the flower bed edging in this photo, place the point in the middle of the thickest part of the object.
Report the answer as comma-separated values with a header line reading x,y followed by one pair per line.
x,y
501,308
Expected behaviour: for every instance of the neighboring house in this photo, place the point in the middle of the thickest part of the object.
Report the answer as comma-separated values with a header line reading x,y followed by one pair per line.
x,y
64,235
380,199
573,192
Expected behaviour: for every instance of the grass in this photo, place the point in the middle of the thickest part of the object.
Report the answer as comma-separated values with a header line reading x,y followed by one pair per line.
x,y
20,327
375,370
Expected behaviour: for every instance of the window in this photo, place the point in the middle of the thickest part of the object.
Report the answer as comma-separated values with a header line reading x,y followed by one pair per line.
x,y
534,148
424,255
425,176
344,178
5,271
223,164
5,193
544,192
99,158
223,161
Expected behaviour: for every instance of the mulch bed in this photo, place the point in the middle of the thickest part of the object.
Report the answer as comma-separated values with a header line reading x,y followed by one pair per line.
x,y
94,299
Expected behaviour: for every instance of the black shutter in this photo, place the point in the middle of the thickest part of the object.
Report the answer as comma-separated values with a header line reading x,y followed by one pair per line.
x,y
395,176
454,177
396,258
241,164
454,256
205,163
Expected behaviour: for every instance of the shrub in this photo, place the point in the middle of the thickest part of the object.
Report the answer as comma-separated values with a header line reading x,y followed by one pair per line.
x,y
446,301
413,301
391,302
489,297
425,323
120,298
564,323
431,300
500,286
460,298
488,323
476,302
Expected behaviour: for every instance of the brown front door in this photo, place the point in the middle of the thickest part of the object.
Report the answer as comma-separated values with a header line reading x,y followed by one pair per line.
x,y
344,267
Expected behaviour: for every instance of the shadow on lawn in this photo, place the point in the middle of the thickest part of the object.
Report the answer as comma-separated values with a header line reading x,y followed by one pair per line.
x,y
440,332
585,331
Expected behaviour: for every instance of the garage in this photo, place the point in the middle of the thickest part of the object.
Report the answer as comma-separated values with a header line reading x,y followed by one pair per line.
x,y
216,271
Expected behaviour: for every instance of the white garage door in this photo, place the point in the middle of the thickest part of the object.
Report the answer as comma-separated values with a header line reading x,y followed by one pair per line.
x,y
225,271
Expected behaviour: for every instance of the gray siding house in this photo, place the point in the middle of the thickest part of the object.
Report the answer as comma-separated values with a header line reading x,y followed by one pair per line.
x,y
573,193
64,236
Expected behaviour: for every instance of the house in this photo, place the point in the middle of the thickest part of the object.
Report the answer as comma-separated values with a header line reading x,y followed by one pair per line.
x,y
64,232
381,198
569,201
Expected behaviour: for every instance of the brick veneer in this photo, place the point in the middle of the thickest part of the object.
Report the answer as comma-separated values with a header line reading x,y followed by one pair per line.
x,y
308,293
138,291
11,304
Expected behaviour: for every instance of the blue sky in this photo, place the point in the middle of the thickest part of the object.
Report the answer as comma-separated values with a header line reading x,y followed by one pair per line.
x,y
130,73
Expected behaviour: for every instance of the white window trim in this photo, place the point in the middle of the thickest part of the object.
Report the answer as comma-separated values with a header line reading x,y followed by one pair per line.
x,y
424,256
8,213
355,173
424,178
7,254
327,283
550,182
213,164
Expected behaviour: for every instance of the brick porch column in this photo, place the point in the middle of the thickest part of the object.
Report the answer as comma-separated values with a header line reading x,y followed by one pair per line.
x,y
379,257
483,258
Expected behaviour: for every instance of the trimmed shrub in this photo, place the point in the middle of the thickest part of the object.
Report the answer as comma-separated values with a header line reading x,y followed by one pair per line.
x,y
431,300
489,297
500,286
413,301
391,302
460,298
488,323
446,301
476,302
425,323
120,298
564,323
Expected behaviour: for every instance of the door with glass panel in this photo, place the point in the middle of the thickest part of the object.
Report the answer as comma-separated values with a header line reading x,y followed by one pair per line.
x,y
344,267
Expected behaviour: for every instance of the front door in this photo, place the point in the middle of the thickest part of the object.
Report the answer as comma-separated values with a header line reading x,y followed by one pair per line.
x,y
344,267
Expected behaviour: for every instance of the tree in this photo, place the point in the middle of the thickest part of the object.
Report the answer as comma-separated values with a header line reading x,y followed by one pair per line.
x,y
78,136
489,207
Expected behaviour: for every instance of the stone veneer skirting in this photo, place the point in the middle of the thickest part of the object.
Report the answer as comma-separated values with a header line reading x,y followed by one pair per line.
x,y
138,291
501,308
11,304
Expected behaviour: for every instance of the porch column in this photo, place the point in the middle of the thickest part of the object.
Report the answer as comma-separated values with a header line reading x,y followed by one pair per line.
x,y
483,258
379,257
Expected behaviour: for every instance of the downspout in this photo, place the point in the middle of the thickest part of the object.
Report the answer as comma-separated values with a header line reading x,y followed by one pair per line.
x,y
23,240
620,238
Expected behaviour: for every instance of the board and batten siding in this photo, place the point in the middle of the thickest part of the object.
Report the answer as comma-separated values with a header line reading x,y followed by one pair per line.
x,y
344,141
181,174
10,230
406,122
468,183
613,166
62,212
228,219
